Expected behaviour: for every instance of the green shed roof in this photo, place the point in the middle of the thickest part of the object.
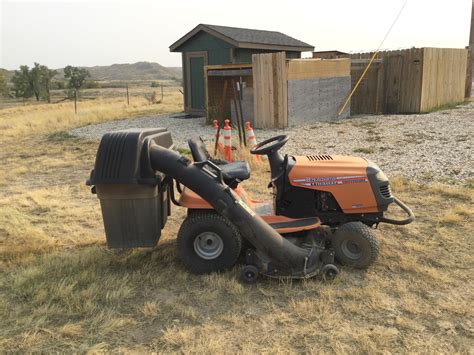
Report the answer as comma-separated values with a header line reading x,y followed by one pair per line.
x,y
247,38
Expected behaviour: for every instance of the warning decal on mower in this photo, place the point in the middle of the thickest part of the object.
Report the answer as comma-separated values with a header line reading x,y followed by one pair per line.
x,y
244,205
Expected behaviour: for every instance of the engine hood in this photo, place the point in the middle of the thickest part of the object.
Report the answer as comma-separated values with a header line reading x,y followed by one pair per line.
x,y
345,177
322,170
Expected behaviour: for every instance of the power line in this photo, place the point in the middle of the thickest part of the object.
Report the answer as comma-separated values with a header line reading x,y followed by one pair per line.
x,y
372,59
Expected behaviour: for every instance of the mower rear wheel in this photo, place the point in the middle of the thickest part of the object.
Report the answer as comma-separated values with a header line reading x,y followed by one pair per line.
x,y
208,242
355,245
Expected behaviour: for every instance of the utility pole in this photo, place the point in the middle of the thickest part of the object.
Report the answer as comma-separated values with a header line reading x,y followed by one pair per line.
x,y
128,100
470,57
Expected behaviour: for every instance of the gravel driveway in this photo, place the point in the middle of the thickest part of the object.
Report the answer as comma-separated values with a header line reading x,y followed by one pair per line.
x,y
424,147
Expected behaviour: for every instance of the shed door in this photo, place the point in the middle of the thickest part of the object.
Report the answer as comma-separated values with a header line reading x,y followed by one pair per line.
x,y
196,66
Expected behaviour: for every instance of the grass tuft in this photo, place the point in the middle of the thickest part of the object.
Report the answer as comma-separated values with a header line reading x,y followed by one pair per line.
x,y
71,330
60,136
365,150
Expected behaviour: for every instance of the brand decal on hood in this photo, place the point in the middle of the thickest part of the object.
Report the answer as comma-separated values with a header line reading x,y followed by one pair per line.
x,y
330,180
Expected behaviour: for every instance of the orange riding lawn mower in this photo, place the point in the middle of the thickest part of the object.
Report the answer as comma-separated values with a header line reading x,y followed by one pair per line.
x,y
322,211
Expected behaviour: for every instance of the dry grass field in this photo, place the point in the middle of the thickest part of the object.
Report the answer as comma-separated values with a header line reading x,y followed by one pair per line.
x,y
62,290
115,89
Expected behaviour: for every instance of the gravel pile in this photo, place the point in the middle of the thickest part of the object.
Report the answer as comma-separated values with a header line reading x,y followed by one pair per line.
x,y
425,147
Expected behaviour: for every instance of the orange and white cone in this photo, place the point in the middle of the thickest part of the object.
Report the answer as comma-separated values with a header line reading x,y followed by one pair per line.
x,y
227,141
218,138
251,140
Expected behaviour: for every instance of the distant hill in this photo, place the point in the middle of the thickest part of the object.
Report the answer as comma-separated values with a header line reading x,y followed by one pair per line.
x,y
135,71
6,73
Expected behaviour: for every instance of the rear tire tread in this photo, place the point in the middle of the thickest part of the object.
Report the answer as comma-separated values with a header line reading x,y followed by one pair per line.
x,y
200,221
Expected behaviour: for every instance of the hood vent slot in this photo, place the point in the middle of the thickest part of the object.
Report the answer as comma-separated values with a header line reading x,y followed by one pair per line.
x,y
319,157
386,191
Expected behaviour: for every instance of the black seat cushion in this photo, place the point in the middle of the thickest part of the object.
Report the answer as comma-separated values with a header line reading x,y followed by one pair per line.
x,y
233,173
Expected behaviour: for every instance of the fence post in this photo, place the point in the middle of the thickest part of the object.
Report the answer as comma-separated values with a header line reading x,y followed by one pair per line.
x,y
128,100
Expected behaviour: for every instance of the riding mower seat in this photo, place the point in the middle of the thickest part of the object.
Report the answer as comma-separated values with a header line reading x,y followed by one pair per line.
x,y
232,173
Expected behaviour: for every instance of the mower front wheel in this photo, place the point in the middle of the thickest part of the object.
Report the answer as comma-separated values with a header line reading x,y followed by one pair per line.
x,y
208,242
249,274
355,245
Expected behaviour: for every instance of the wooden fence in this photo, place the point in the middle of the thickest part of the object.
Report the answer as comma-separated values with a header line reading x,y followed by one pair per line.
x,y
444,77
368,98
409,81
270,90
300,69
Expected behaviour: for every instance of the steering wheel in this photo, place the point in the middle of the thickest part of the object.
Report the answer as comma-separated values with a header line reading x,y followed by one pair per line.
x,y
266,147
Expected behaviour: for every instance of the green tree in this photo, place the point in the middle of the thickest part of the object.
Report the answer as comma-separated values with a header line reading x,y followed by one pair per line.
x,y
76,78
3,86
22,84
33,82
46,76
36,80
58,85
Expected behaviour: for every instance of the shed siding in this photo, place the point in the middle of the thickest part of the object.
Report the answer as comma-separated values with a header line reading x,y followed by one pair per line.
x,y
244,55
219,56
218,50
293,55
186,95
203,41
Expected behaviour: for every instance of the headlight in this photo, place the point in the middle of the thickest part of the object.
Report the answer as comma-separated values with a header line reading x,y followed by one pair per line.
x,y
380,176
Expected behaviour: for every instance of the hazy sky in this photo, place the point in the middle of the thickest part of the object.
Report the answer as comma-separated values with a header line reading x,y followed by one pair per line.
x,y
87,33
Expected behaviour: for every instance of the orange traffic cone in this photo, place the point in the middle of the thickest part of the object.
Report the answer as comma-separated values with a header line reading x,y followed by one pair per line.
x,y
217,138
252,142
227,141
